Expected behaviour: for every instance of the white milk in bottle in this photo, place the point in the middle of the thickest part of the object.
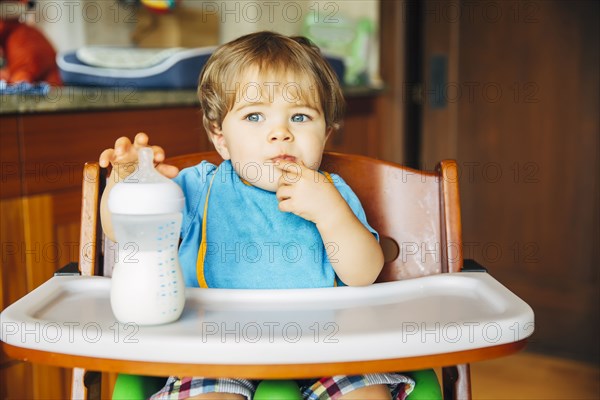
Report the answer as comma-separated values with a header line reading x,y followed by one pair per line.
x,y
146,208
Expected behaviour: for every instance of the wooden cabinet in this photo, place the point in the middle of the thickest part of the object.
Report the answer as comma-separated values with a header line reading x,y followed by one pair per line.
x,y
10,182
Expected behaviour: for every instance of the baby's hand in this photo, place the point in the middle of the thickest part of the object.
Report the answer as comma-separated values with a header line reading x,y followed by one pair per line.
x,y
307,193
124,157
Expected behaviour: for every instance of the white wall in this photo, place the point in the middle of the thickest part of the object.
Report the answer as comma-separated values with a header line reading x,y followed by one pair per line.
x,y
70,24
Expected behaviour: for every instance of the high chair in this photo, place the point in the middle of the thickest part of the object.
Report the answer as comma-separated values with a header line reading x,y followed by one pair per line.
x,y
403,205
417,215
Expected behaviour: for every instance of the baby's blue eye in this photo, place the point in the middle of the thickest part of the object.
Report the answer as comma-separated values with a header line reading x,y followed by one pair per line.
x,y
300,118
254,117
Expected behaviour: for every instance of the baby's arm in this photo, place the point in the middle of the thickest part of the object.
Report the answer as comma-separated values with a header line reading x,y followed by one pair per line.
x,y
355,255
123,158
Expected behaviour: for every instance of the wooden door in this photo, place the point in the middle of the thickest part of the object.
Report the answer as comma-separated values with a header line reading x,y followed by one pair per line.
x,y
511,92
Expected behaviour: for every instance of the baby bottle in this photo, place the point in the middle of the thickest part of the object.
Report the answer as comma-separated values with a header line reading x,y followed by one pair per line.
x,y
147,285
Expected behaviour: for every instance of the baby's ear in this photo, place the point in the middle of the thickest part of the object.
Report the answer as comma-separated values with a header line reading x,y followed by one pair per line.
x,y
218,139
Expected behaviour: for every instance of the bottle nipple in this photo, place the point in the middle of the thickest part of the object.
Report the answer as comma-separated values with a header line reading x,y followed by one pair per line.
x,y
145,172
146,157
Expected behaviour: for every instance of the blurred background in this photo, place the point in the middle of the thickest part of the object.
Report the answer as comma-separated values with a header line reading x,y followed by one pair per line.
x,y
510,89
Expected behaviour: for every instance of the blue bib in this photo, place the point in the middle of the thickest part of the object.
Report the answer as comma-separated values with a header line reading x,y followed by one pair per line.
x,y
242,240
254,245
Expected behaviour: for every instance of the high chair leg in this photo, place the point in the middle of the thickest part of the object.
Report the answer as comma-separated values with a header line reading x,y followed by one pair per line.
x,y
86,385
457,382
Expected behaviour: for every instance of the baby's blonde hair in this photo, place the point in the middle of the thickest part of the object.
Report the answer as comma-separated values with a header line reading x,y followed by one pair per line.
x,y
272,54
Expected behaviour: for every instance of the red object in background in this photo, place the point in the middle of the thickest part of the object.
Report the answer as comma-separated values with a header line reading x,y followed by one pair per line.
x,y
28,55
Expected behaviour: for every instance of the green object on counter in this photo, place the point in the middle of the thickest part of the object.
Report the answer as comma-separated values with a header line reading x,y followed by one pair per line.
x,y
347,38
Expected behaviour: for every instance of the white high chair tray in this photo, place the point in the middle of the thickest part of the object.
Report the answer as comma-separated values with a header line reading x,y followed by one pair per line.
x,y
430,315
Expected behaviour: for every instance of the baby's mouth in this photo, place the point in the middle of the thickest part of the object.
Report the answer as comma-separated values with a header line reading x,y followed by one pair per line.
x,y
284,157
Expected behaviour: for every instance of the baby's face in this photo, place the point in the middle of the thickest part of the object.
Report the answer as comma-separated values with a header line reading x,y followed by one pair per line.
x,y
272,121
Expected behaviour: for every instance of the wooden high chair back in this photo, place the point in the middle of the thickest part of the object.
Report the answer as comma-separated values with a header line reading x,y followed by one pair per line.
x,y
416,213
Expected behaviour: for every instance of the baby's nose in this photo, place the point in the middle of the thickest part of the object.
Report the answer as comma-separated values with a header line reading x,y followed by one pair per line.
x,y
280,133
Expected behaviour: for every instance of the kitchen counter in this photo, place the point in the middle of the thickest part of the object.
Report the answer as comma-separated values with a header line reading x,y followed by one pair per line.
x,y
70,98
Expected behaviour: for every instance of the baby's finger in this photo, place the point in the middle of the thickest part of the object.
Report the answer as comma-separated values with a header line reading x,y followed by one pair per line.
x,y
289,166
140,140
159,154
294,171
170,171
283,193
287,179
285,205
122,146
106,157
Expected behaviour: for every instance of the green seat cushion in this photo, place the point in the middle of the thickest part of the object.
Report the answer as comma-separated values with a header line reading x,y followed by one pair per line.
x,y
133,387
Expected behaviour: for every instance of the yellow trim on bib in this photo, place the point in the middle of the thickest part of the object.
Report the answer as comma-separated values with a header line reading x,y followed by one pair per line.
x,y
203,245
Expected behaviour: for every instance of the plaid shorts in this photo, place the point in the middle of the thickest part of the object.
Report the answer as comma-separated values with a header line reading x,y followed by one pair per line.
x,y
322,389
